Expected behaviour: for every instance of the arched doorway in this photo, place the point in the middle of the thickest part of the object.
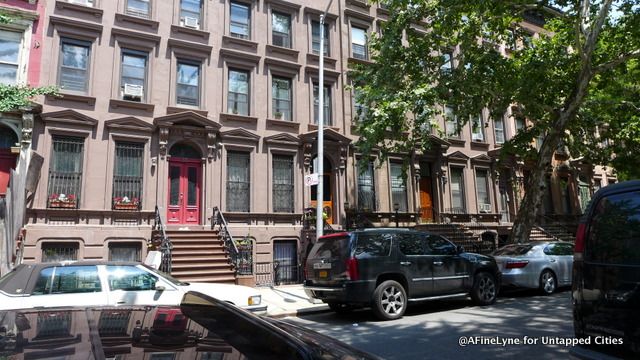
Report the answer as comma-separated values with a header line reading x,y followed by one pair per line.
x,y
185,184
327,188
8,139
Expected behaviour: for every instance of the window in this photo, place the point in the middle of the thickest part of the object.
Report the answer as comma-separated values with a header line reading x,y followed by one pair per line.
x,y
139,8
191,13
482,191
520,124
499,130
376,244
238,181
457,190
451,122
240,25
327,105
133,75
74,65
359,43
56,252
10,44
67,280
125,252
283,183
89,3
367,189
130,278
411,244
398,187
281,93
281,28
440,246
127,175
477,128
359,109
65,172
188,84
315,38
447,63
238,97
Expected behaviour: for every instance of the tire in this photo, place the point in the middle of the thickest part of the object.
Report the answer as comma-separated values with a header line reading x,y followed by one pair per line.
x,y
340,308
484,291
548,282
389,300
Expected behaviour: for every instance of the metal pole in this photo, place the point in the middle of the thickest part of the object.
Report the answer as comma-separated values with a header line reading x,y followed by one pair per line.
x,y
320,158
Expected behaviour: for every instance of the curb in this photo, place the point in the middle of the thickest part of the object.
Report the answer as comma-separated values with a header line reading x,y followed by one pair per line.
x,y
307,311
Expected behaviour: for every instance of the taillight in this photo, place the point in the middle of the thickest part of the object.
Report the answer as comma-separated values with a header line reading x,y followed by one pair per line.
x,y
352,269
581,235
516,264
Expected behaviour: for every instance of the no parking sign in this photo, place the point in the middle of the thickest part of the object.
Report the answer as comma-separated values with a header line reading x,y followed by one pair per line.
x,y
311,179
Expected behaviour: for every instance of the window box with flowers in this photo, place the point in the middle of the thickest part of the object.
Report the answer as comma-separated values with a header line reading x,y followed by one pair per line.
x,y
63,201
126,203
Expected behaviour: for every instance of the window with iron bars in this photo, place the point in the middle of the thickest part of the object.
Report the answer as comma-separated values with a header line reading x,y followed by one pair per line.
x,y
366,189
55,252
127,176
398,187
125,252
238,181
65,172
283,188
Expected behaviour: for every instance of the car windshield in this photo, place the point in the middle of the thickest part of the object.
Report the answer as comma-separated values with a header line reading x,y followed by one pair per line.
x,y
513,250
166,276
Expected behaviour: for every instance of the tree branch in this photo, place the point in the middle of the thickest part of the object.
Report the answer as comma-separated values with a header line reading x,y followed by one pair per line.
x,y
618,61
596,27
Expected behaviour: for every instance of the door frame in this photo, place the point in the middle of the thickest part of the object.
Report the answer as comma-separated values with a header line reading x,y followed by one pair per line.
x,y
183,163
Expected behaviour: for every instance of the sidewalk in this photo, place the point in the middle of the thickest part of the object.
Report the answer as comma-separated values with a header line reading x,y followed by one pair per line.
x,y
289,300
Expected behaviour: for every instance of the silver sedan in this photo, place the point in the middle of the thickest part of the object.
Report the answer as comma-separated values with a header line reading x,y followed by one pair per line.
x,y
538,265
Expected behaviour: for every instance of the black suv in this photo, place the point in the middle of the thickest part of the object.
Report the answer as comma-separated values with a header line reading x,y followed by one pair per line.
x,y
606,271
387,268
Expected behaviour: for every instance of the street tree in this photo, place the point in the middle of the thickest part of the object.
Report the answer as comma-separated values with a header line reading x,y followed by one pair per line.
x,y
573,77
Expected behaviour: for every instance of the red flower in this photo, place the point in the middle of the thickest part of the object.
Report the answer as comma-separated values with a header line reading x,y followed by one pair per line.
x,y
71,197
53,197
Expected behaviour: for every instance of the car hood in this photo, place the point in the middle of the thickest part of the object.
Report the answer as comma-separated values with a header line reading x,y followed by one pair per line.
x,y
237,295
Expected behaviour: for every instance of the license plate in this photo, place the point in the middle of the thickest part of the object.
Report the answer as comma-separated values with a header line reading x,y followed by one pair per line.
x,y
323,274
322,266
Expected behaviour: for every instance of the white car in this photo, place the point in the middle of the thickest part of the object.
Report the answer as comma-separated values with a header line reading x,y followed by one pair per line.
x,y
108,283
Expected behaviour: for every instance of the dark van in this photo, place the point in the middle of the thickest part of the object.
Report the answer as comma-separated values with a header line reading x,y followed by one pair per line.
x,y
606,271
388,268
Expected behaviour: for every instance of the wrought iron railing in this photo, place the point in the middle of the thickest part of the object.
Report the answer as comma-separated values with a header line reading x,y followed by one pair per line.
x,y
166,247
241,257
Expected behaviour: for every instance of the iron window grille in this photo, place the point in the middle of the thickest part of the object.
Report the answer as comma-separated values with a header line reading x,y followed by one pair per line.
x,y
56,252
10,43
240,21
139,8
238,182
359,43
65,171
191,9
127,176
398,187
114,322
366,189
53,324
281,28
281,92
238,97
74,65
315,38
327,105
283,188
125,252
188,84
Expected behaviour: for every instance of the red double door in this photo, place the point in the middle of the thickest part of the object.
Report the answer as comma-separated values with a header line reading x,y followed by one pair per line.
x,y
184,191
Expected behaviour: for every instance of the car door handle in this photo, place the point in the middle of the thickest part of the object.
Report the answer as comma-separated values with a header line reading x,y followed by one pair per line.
x,y
437,263
121,302
405,263
552,260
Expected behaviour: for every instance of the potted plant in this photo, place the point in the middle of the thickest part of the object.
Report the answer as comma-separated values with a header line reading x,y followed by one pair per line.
x,y
126,203
278,115
62,201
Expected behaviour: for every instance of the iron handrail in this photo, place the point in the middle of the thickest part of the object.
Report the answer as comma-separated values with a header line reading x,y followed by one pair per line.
x,y
165,245
218,219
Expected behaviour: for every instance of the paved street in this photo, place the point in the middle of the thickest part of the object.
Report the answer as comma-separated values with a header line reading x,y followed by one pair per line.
x,y
432,330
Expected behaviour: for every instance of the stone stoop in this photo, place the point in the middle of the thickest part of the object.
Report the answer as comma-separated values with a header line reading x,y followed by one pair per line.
x,y
200,256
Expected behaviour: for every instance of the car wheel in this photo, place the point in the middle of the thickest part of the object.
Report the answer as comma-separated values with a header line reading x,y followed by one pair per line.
x,y
548,282
484,290
340,308
389,300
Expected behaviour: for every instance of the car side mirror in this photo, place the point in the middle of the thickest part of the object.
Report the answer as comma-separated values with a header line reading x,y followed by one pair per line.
x,y
160,288
459,249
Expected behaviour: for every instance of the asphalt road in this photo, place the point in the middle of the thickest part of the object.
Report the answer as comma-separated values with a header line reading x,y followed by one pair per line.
x,y
433,330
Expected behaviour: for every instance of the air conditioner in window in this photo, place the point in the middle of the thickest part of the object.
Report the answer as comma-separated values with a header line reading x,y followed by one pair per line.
x,y
131,90
191,22
485,208
82,2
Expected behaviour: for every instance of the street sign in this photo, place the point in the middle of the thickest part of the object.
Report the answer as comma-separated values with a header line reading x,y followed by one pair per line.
x,y
311,179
